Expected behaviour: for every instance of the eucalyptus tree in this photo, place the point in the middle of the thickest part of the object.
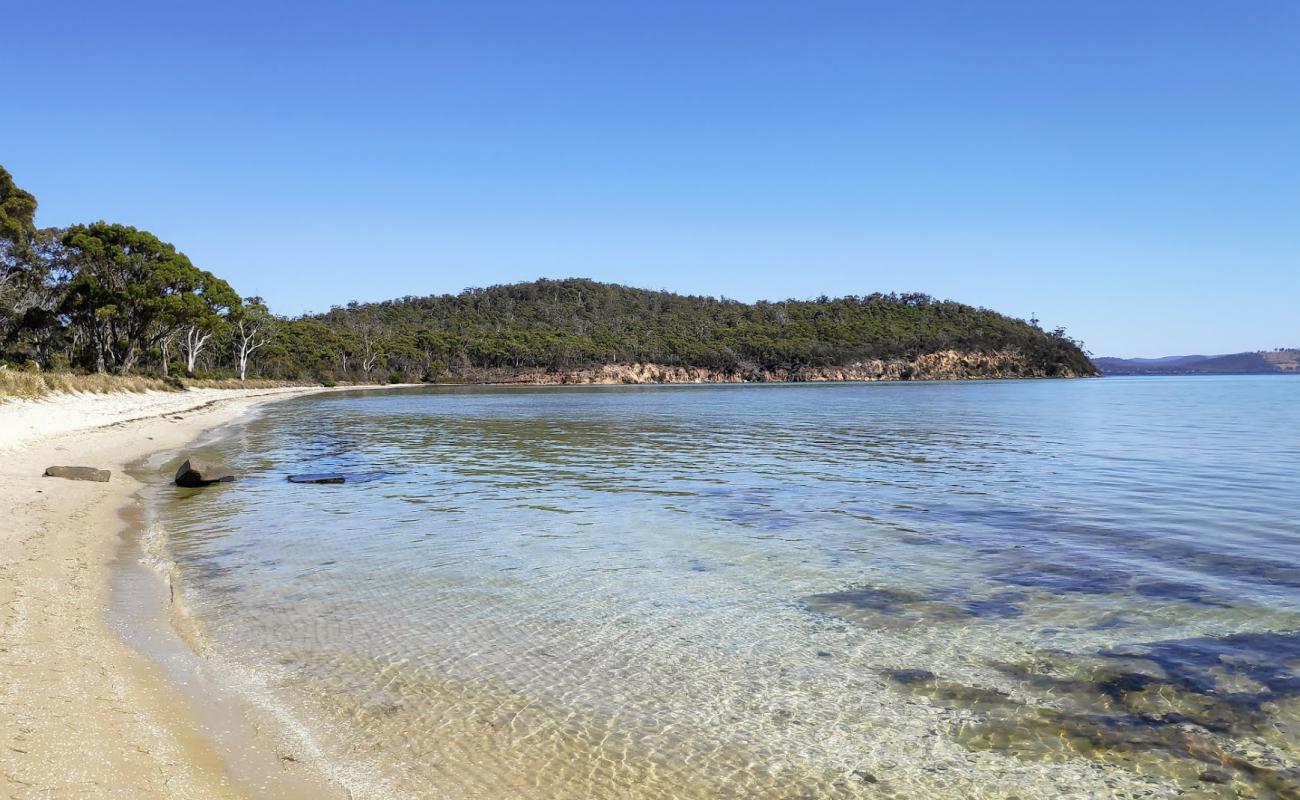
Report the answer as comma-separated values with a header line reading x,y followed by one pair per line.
x,y
32,325
17,228
253,325
209,315
32,276
131,291
17,212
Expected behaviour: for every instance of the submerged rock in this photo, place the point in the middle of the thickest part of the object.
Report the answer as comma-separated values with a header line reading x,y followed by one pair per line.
x,y
908,677
1216,775
319,477
194,473
78,473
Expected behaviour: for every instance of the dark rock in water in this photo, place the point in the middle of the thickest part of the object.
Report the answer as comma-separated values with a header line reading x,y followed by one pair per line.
x,y
1198,665
875,607
867,598
1173,590
1116,687
1216,776
1191,709
907,677
78,473
194,473
1064,579
1002,606
319,477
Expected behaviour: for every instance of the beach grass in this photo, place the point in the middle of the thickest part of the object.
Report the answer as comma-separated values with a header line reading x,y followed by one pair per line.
x,y
25,384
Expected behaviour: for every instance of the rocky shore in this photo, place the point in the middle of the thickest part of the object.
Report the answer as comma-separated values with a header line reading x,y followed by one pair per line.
x,y
943,365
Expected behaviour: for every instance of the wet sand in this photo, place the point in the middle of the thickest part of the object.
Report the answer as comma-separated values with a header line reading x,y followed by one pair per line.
x,y
82,712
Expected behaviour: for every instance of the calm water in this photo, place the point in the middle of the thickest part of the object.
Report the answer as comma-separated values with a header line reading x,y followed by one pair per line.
x,y
1048,588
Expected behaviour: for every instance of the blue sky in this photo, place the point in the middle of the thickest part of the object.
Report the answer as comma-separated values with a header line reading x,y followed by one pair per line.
x,y
1130,170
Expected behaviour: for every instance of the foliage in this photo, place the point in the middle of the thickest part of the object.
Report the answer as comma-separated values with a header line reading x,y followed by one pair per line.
x,y
253,325
130,291
31,276
575,323
106,296
17,211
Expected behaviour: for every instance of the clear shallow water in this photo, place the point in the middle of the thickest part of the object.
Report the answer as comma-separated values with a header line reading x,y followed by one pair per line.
x,y
1045,588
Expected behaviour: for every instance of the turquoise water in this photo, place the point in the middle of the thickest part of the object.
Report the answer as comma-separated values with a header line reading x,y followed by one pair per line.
x,y
1024,588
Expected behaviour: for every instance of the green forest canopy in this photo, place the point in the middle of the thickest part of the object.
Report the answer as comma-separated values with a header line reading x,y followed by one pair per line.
x,y
110,297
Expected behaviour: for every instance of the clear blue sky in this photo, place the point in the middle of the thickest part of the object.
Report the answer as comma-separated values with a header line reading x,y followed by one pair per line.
x,y
1130,170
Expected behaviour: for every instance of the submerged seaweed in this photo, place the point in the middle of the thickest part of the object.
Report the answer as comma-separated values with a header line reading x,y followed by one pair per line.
x,y
1179,705
1064,579
1175,590
1221,666
885,605
999,606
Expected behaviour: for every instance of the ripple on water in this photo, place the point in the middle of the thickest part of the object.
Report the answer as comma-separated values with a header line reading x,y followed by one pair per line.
x,y
1070,589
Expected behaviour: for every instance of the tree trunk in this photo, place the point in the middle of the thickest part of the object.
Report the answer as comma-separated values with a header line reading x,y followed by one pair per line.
x,y
248,342
100,343
195,340
128,361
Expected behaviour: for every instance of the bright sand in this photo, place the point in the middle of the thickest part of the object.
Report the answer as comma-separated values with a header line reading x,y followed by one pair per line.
x,y
82,713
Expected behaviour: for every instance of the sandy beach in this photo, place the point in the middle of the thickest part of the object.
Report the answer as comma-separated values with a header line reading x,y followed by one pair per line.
x,y
83,714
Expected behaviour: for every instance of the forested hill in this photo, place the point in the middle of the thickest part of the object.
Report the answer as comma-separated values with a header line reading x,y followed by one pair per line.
x,y
1282,361
564,325
107,297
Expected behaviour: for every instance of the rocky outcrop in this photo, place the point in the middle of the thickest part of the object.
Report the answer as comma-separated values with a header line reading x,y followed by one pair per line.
x,y
78,473
944,365
319,477
194,473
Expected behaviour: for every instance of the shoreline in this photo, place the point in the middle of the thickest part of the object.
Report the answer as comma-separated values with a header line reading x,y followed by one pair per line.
x,y
83,709
102,694
112,699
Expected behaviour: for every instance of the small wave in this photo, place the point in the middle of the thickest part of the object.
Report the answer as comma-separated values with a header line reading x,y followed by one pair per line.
x,y
156,555
257,687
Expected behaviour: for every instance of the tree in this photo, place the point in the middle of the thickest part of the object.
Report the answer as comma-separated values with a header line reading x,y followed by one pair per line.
x,y
253,330
17,228
17,212
367,331
112,297
216,302
131,291
31,296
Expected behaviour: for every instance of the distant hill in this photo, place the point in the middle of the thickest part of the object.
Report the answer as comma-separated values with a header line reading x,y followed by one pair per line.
x,y
1263,362
107,296
564,329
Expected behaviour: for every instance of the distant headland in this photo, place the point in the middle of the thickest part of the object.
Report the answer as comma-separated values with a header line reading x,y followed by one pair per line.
x,y
1262,362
